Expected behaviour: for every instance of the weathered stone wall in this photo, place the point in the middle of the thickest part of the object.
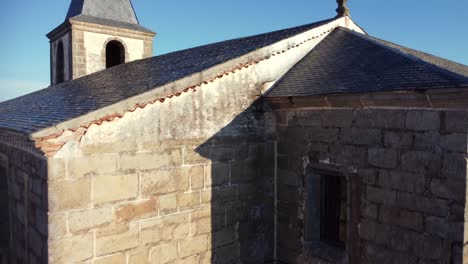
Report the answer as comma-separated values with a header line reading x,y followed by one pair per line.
x,y
412,165
187,179
165,205
184,181
23,229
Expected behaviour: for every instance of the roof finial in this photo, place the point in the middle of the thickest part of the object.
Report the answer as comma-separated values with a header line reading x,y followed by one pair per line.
x,y
342,9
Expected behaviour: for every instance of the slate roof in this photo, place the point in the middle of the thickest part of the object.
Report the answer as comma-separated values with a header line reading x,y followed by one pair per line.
x,y
119,10
62,102
350,62
114,13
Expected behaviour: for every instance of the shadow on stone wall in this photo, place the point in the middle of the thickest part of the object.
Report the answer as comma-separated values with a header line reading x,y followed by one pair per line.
x,y
24,204
242,194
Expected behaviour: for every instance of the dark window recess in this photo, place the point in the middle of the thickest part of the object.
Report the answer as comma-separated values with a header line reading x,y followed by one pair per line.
x,y
115,54
60,64
333,211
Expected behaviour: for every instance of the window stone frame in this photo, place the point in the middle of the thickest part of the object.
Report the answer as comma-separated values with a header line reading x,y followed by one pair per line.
x,y
311,239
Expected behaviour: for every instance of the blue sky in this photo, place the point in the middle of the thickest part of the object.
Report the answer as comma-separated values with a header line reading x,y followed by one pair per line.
x,y
435,26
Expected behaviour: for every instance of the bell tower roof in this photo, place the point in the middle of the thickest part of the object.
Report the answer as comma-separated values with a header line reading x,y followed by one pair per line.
x,y
117,10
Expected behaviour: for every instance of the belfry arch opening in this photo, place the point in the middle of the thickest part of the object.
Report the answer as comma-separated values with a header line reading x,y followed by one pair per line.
x,y
115,53
60,64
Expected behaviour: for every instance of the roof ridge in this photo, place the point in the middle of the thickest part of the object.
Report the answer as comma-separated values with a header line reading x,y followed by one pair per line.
x,y
412,57
319,23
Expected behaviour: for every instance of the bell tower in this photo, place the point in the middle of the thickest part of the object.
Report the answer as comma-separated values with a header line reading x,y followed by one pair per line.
x,y
97,34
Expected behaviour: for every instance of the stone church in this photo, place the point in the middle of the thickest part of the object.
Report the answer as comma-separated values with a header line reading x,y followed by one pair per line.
x,y
313,144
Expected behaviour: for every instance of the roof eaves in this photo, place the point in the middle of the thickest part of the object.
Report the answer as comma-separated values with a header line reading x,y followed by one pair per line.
x,y
183,85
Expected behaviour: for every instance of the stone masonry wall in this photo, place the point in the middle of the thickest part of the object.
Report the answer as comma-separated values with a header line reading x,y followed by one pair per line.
x,y
412,165
24,206
169,205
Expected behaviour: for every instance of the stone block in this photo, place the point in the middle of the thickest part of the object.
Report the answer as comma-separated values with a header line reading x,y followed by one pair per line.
x,y
197,177
454,167
151,161
217,174
113,259
203,212
428,247
188,201
57,226
201,226
456,121
243,171
163,253
457,254
383,158
220,195
206,257
381,196
421,120
357,136
346,155
421,162
139,256
401,239
419,203
449,189
287,177
400,217
36,242
319,134
379,118
190,260
137,210
369,176
235,151
337,118
69,194
165,181
369,210
168,203
302,118
181,231
444,228
82,221
73,249
56,169
192,156
402,181
398,139
113,188
108,244
80,167
455,143
165,229
193,245
223,237
427,141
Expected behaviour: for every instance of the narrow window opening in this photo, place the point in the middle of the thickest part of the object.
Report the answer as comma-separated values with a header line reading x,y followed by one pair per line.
x,y
333,216
60,64
115,54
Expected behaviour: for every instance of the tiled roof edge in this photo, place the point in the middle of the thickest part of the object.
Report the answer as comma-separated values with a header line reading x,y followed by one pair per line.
x,y
54,132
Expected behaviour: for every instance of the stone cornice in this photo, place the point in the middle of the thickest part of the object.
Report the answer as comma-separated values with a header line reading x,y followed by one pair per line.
x,y
444,98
